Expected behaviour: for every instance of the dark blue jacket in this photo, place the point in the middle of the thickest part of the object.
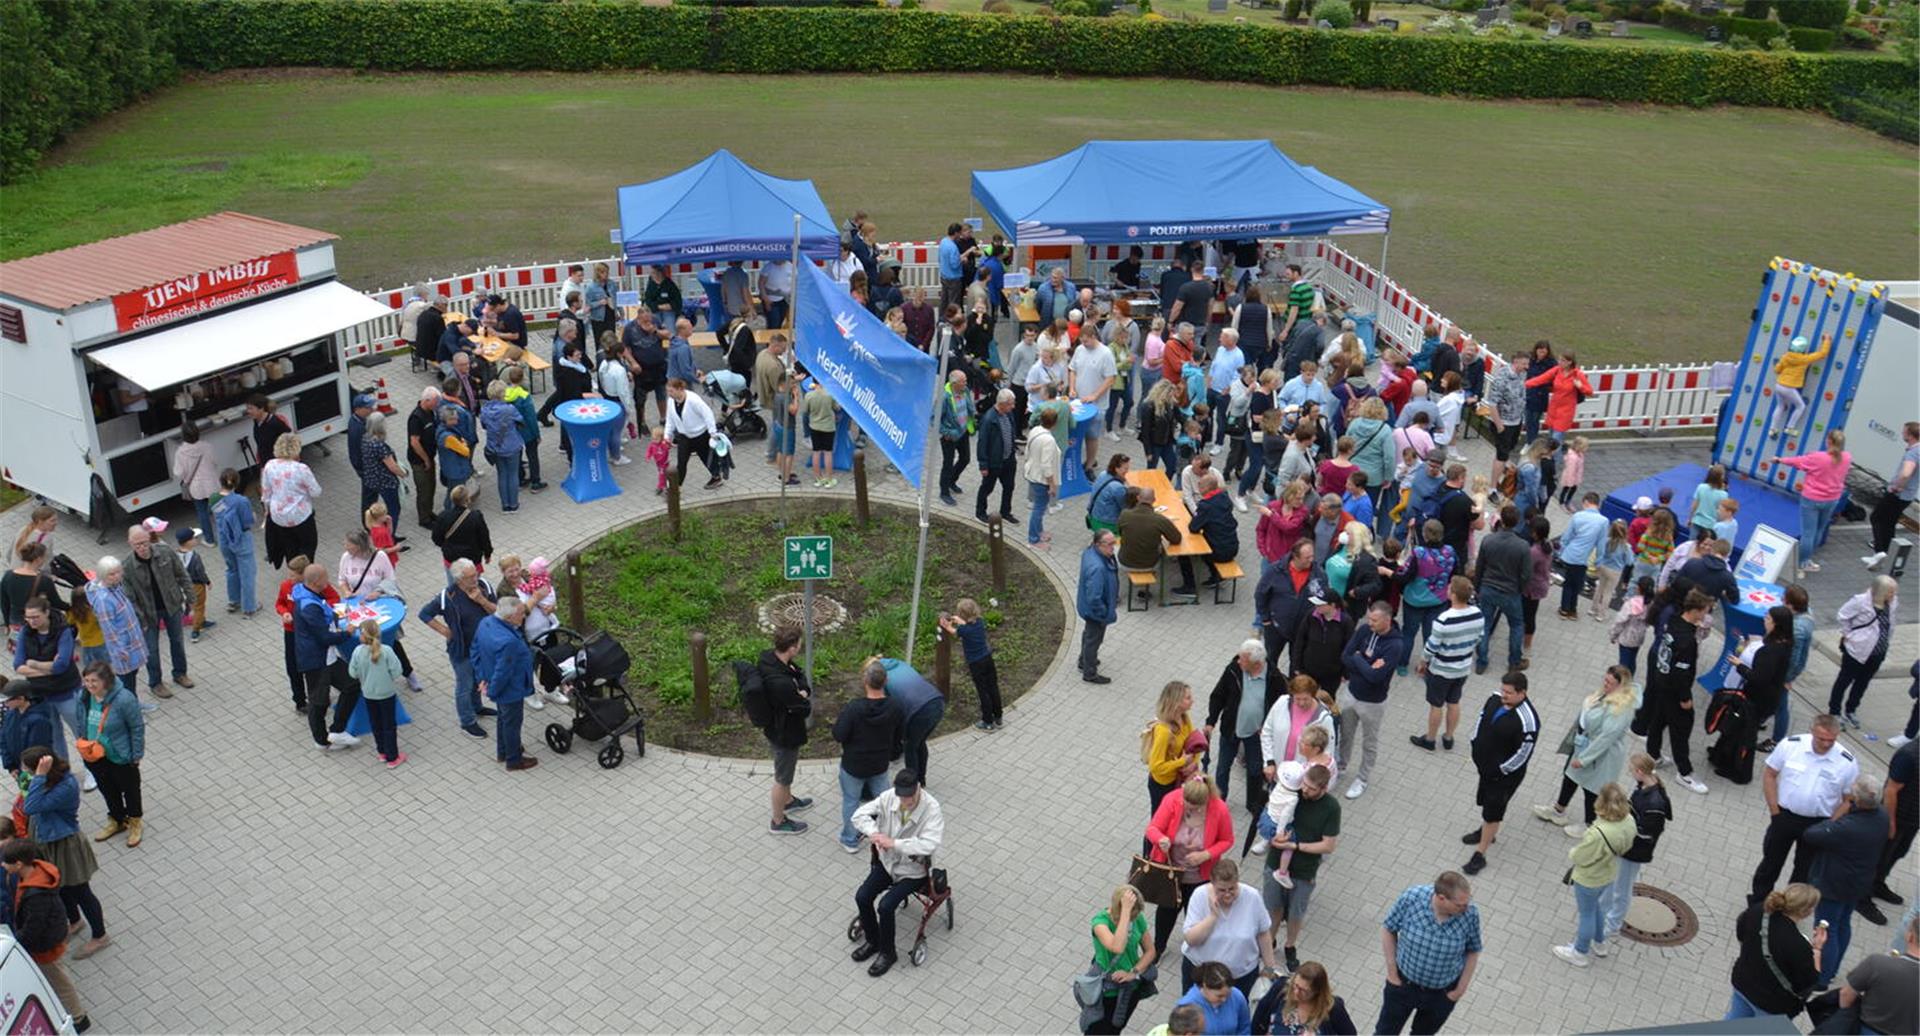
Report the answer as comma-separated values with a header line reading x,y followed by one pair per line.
x,y
313,631
1363,649
1849,854
1277,605
20,731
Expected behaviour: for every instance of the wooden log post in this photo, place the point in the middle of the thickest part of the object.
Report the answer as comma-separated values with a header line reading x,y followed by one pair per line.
x,y
860,509
702,692
942,661
576,596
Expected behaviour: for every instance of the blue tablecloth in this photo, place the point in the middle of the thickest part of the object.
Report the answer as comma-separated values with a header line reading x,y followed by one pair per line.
x,y
1073,475
391,611
1744,618
589,423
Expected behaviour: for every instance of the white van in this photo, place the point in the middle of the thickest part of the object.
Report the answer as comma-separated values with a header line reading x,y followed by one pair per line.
x,y
28,1005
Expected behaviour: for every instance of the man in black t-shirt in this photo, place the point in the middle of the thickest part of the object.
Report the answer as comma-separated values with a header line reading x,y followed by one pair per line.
x,y
1192,304
1454,508
422,425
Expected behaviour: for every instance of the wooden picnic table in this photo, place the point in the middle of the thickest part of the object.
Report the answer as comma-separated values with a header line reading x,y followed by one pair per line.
x,y
493,349
1167,501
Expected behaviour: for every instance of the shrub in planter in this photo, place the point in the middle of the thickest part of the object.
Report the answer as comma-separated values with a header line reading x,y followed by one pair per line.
x,y
1857,38
1339,13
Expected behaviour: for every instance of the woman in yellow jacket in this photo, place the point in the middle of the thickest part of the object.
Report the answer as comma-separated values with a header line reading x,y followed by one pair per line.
x,y
1165,745
1596,862
1790,376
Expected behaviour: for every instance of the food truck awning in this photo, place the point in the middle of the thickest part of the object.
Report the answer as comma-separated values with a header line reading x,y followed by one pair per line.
x,y
228,339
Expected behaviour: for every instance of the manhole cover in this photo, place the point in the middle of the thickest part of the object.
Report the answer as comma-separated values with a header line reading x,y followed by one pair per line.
x,y
791,610
1659,918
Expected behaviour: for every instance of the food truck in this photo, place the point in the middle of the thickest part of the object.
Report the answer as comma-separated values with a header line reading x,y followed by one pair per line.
x,y
107,349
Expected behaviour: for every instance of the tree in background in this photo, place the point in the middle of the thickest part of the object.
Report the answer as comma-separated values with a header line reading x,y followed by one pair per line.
x,y
1814,14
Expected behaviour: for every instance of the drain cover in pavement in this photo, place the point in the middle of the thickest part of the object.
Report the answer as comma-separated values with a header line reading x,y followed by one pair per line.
x,y
1659,918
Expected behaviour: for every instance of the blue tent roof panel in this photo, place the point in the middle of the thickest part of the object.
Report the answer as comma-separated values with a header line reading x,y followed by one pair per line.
x,y
1117,191
721,209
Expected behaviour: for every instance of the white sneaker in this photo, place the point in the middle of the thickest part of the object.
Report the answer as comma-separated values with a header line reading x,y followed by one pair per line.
x,y
1809,567
1259,846
534,702
1550,815
93,785
623,461
1874,558
1571,956
1599,949
1558,579
1693,784
1214,449
1896,742
342,740
1239,503
1663,764
1356,789
1283,879
413,683
559,699
1054,508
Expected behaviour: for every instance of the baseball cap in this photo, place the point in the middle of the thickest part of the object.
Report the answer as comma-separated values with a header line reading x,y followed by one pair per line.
x,y
905,783
1317,600
186,535
1437,455
155,526
1644,503
16,689
362,400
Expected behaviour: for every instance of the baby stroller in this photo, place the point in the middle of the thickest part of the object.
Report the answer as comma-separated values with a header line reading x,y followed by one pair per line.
x,y
592,673
738,413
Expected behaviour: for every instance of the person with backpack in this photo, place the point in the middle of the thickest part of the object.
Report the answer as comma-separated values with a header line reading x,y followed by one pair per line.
x,y
777,699
869,729
1736,712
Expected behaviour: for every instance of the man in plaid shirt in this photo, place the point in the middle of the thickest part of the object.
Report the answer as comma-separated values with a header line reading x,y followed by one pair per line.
x,y
1432,942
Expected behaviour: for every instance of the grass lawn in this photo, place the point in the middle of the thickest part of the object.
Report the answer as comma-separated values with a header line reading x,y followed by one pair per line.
x,y
647,593
1628,233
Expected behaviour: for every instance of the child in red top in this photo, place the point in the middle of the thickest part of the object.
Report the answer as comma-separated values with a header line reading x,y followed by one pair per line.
x,y
380,530
658,451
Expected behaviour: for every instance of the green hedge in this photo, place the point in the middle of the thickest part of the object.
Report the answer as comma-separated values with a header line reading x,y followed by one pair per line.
x,y
1810,41
1889,113
465,35
69,62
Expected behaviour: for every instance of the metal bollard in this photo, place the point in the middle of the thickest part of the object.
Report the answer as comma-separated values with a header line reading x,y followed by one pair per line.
x,y
673,507
576,596
702,693
942,661
997,551
860,512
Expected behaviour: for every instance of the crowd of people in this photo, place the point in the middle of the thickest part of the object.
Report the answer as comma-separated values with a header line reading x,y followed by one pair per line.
x,y
1384,560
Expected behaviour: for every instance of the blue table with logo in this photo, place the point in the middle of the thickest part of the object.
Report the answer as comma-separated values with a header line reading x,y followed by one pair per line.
x,y
590,425
1746,617
1073,475
390,612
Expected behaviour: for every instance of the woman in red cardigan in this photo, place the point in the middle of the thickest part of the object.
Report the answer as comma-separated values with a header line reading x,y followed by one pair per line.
x,y
1568,384
1191,830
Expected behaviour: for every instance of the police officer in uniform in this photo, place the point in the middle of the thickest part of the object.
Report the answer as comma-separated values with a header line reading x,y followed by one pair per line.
x,y
1807,777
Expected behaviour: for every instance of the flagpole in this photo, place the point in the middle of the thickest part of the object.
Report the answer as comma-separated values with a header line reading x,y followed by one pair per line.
x,y
926,496
793,303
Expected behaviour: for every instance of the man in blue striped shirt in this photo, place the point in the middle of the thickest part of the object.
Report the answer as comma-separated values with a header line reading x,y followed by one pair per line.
x,y
1432,942
1448,659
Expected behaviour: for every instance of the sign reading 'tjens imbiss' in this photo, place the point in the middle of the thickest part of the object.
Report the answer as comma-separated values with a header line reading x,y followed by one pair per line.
x,y
208,289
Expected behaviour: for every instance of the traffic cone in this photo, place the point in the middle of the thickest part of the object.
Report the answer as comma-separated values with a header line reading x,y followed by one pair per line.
x,y
381,401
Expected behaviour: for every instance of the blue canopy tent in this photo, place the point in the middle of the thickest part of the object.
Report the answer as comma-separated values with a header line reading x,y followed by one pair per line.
x,y
1121,191
721,209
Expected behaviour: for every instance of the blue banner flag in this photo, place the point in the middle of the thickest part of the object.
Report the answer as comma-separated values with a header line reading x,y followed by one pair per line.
x,y
886,384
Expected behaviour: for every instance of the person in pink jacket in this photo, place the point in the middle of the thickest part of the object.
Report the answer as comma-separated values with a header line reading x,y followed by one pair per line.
x,y
1819,492
1192,830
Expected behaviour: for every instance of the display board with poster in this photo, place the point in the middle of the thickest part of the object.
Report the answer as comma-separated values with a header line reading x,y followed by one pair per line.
x,y
1765,555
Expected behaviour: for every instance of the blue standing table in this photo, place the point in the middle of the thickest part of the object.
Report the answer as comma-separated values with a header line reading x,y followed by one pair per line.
x,y
391,613
590,425
1073,475
1744,618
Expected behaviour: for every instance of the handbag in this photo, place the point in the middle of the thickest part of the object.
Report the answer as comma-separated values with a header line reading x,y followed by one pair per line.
x,y
90,750
1087,987
1159,883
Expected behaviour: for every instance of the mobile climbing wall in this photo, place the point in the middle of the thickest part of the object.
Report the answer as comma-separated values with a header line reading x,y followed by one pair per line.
x,y
1797,299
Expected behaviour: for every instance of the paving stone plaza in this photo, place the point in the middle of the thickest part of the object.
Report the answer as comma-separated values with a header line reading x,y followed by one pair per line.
x,y
281,887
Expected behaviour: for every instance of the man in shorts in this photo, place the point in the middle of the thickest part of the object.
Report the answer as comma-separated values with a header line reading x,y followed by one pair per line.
x,y
1091,373
789,702
822,419
1316,832
1449,650
1502,744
